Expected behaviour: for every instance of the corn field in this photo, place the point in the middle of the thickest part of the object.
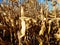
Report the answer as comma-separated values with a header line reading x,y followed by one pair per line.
x,y
28,22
